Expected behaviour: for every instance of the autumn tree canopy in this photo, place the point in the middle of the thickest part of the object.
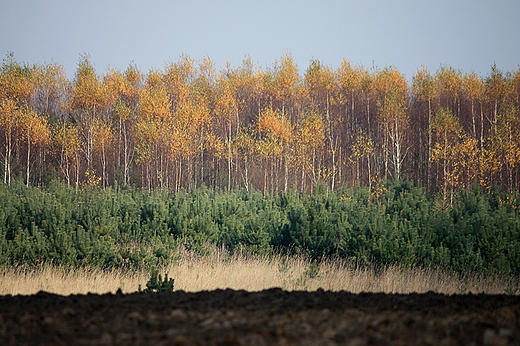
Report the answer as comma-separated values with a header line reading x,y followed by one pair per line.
x,y
270,129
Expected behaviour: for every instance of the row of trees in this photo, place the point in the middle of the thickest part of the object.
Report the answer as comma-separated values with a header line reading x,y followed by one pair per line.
x,y
127,227
267,129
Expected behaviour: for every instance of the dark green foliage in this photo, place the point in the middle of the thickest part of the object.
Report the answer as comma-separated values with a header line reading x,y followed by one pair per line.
x,y
133,228
89,227
156,283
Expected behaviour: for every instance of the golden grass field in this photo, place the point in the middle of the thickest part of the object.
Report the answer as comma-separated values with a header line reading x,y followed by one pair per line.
x,y
218,270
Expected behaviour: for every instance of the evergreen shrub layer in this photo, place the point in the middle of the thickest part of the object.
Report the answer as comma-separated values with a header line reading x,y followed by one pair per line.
x,y
126,227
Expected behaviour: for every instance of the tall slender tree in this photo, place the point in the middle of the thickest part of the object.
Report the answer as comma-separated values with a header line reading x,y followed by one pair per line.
x,y
450,84
9,121
393,117
390,91
447,129
35,131
321,85
310,134
67,145
87,104
495,92
425,89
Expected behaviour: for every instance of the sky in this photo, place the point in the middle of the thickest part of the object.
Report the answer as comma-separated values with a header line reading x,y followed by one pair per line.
x,y
470,35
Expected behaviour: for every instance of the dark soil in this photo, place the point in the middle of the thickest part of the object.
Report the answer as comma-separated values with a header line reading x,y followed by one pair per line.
x,y
271,317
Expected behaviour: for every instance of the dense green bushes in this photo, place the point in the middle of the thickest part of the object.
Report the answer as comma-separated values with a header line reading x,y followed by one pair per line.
x,y
401,223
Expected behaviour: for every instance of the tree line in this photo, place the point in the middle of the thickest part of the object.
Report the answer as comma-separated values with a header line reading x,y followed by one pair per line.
x,y
393,223
270,129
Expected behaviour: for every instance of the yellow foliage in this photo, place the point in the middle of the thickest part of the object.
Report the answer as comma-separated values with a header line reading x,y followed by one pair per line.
x,y
215,145
34,127
363,146
66,140
508,135
16,81
309,138
9,114
389,81
378,189
102,136
349,77
272,124
424,85
450,81
474,87
320,82
177,78
88,93
155,105
91,179
50,86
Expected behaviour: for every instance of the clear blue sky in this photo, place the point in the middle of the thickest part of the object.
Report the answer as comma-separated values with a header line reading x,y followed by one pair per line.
x,y
467,35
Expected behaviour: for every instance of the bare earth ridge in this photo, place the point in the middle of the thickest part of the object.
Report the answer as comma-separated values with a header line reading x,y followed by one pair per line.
x,y
270,317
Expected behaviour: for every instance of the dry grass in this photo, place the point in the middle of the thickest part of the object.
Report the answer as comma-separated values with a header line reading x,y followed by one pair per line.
x,y
218,270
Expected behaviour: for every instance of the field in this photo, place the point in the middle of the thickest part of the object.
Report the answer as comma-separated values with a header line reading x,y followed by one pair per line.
x,y
269,317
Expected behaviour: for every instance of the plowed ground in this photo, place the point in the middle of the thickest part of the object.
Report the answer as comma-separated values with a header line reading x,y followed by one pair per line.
x,y
271,317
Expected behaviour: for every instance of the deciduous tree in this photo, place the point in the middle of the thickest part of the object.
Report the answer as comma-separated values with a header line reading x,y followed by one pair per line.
x,y
9,121
50,90
67,145
275,134
447,129
425,89
507,141
390,92
323,90
16,81
154,119
363,147
450,86
35,131
226,118
88,101
309,141
495,92
349,80
394,119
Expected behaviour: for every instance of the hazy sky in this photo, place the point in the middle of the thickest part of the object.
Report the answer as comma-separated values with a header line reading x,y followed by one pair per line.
x,y
467,35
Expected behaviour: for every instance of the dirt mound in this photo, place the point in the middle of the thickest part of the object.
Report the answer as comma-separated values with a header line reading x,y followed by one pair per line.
x,y
271,317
